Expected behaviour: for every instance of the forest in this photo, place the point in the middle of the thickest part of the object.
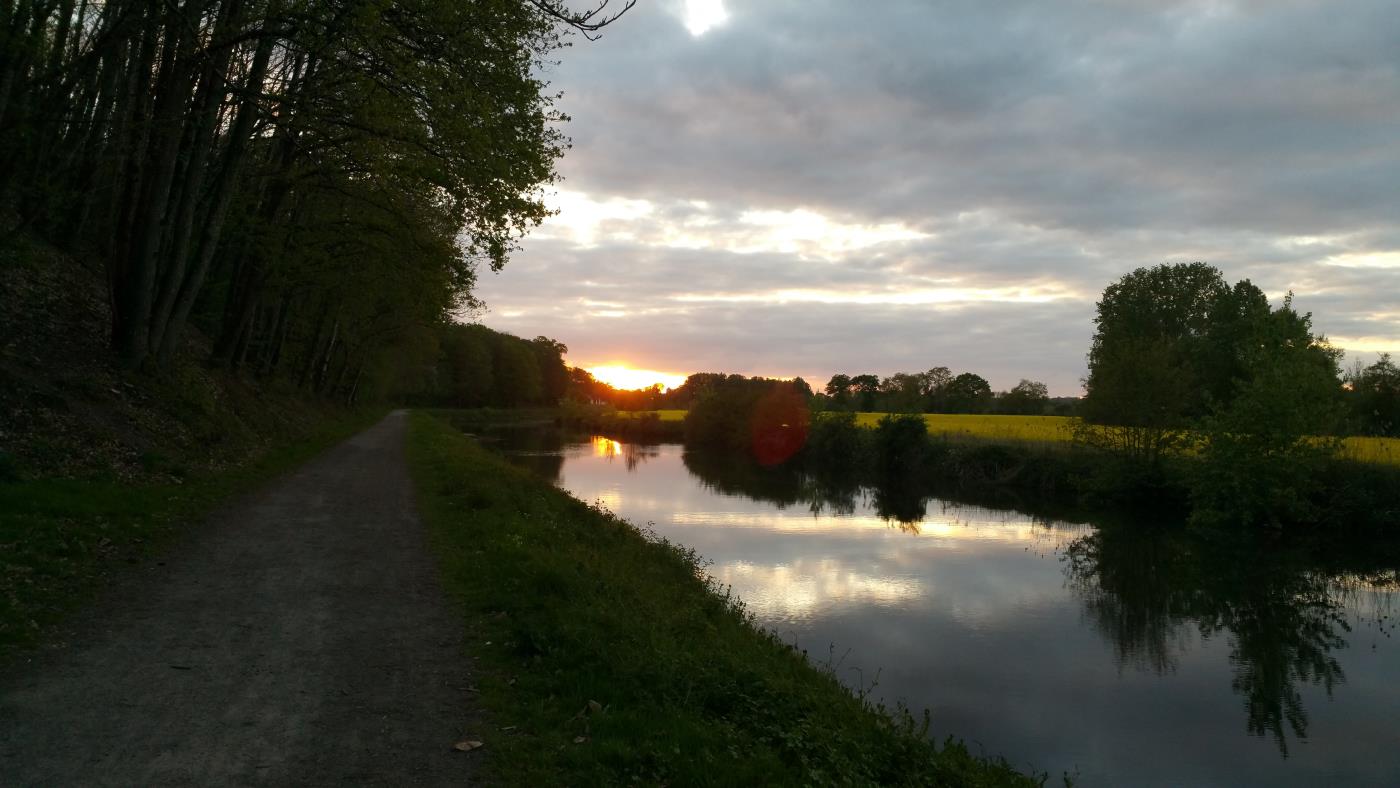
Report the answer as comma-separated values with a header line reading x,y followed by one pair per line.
x,y
311,187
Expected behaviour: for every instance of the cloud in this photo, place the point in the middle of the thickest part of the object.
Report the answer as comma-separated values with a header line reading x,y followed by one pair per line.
x,y
826,174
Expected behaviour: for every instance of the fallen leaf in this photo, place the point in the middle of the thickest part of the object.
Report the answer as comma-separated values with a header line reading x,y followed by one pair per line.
x,y
467,745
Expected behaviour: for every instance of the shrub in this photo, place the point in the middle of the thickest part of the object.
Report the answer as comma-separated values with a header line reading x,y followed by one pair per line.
x,y
901,446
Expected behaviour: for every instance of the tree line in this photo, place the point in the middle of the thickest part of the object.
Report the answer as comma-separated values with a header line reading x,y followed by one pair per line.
x,y
935,391
479,367
939,391
312,184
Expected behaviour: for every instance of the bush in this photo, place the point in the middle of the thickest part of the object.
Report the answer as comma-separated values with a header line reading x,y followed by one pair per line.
x,y
835,442
901,446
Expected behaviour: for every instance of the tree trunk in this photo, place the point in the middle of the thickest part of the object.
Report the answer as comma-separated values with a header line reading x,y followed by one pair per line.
x,y
208,99
151,216
221,195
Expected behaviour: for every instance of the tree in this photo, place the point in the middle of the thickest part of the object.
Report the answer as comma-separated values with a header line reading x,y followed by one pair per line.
x,y
467,367
802,387
967,393
1374,397
1166,349
1028,398
839,390
932,385
866,388
312,182
1261,450
903,393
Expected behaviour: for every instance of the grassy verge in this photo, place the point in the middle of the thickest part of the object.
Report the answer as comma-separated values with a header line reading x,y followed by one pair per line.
x,y
606,658
61,538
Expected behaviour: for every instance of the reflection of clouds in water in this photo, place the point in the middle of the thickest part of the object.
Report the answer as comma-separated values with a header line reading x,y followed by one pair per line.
x,y
794,591
980,526
1118,669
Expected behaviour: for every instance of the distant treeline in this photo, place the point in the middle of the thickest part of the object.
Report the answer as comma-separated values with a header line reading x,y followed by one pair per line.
x,y
940,391
478,367
934,391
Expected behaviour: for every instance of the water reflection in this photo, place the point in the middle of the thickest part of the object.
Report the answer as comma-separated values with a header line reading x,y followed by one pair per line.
x,y
1133,655
632,454
1150,590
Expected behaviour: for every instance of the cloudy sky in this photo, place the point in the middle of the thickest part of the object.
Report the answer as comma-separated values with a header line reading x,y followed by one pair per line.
x,y
803,187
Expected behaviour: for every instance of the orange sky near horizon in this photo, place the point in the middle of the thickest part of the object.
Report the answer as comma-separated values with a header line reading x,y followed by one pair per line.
x,y
621,376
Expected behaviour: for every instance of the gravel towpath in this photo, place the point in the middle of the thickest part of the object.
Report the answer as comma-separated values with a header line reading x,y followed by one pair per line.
x,y
300,637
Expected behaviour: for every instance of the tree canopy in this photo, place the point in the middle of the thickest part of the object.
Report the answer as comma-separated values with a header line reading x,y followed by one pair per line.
x,y
312,184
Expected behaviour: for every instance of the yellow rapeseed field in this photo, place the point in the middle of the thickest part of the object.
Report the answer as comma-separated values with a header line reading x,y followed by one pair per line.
x,y
666,415
1050,429
1385,451
1053,429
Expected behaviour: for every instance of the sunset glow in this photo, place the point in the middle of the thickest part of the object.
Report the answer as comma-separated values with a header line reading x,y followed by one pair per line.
x,y
621,376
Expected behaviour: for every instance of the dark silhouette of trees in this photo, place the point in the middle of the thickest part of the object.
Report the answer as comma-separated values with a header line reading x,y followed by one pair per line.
x,y
313,184
1167,348
936,391
479,367
1373,398
1182,358
967,393
1263,449
1028,398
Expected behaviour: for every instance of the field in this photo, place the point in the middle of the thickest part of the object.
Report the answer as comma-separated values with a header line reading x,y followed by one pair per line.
x,y
1382,451
666,415
1053,429
1047,429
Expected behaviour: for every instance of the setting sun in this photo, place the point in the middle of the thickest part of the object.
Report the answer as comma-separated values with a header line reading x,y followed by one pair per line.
x,y
621,376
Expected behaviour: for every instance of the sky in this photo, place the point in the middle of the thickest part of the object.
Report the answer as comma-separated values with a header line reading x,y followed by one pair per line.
x,y
806,187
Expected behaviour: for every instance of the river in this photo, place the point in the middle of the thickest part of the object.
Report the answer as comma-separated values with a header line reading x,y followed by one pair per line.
x,y
1120,655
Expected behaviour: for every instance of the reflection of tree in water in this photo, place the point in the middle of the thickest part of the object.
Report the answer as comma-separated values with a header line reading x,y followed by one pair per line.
x,y
632,454
789,485
728,474
538,449
1147,591
901,504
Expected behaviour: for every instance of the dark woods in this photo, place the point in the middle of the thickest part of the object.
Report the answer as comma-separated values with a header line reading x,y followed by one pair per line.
x,y
311,184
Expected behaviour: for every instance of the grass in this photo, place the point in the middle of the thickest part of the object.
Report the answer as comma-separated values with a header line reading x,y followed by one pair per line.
x,y
605,657
60,539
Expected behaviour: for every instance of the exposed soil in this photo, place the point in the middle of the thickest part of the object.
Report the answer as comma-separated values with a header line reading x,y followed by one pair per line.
x,y
300,637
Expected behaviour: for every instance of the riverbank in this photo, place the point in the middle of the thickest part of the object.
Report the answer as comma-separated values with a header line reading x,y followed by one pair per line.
x,y
603,657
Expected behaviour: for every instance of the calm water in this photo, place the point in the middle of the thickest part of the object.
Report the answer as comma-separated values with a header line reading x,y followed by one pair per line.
x,y
1128,655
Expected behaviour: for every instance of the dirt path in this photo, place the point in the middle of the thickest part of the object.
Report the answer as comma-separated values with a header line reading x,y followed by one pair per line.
x,y
299,638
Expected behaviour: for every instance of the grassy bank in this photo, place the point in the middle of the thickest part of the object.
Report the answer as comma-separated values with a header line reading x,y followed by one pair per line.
x,y
604,658
62,538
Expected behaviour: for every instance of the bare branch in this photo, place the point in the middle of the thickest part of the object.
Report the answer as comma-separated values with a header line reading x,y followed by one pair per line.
x,y
587,22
